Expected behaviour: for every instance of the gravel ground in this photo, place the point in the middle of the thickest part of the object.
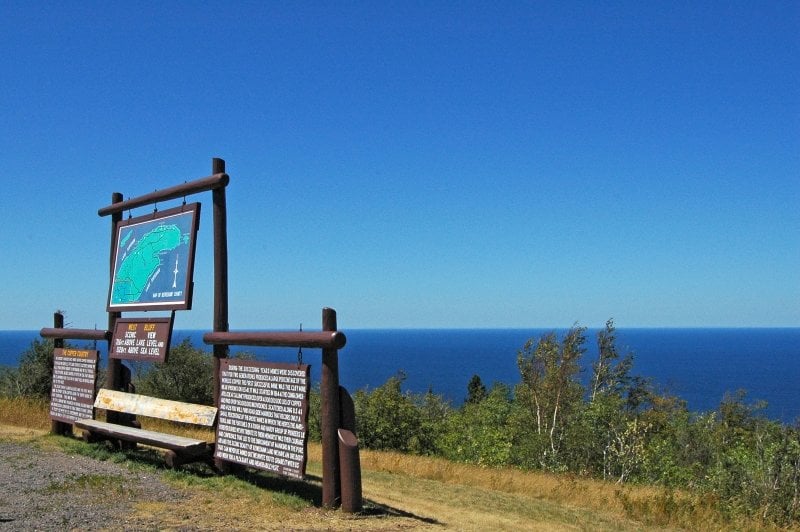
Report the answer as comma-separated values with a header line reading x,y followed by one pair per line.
x,y
44,489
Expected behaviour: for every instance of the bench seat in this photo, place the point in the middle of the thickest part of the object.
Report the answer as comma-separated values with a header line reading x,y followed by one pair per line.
x,y
180,449
147,437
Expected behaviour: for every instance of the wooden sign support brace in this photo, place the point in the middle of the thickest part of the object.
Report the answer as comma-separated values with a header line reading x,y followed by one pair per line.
x,y
220,271
114,372
59,427
331,481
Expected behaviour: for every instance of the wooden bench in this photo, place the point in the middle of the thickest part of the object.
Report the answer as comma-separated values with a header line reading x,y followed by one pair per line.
x,y
180,449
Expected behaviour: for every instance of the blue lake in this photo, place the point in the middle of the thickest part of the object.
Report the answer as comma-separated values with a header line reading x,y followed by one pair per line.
x,y
698,365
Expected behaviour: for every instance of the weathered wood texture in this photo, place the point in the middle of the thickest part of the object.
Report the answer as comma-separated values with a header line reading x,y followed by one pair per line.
x,y
329,392
60,333
181,450
211,182
321,339
350,464
142,405
148,437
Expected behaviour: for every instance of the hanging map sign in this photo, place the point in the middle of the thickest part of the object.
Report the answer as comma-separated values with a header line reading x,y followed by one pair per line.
x,y
263,415
72,392
154,261
144,339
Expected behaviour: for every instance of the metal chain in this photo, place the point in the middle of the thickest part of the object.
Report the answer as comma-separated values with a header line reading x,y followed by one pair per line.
x,y
300,351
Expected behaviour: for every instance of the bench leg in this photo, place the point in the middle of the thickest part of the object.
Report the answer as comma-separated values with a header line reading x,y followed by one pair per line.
x,y
173,459
89,437
127,445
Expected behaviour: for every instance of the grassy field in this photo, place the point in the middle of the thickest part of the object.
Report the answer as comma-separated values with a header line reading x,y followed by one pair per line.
x,y
400,491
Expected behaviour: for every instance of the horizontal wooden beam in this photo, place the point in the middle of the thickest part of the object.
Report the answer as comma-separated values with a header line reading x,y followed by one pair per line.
x,y
75,334
186,189
321,340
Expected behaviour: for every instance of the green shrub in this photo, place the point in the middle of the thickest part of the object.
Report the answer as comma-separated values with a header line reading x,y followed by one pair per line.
x,y
34,375
386,418
186,376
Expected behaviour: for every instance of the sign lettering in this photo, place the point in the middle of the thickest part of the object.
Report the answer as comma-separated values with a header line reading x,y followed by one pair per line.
x,y
72,393
141,339
263,415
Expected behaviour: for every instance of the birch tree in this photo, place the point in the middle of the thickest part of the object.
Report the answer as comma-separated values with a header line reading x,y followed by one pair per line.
x,y
549,391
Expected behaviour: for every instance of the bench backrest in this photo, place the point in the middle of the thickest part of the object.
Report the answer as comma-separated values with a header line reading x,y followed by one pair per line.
x,y
143,405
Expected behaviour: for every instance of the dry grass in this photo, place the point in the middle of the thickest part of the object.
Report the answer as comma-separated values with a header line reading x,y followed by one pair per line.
x,y
645,506
403,491
25,412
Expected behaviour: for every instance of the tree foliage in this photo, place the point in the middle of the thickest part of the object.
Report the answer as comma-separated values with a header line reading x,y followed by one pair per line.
x,y
34,375
187,375
386,418
476,390
549,393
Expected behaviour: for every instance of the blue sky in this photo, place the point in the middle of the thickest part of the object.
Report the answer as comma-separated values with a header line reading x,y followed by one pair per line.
x,y
415,164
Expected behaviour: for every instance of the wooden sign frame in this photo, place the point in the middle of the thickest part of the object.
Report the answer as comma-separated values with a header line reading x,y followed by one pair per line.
x,y
139,266
142,339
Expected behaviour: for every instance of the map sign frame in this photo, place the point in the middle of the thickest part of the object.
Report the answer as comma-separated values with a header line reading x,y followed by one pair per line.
x,y
144,250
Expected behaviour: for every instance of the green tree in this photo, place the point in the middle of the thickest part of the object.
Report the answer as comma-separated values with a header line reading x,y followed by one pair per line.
x,y
479,432
386,418
315,414
610,437
549,394
476,391
434,413
610,374
186,376
34,375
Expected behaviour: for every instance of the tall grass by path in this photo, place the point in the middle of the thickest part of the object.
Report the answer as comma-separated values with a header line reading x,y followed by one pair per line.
x,y
27,412
405,491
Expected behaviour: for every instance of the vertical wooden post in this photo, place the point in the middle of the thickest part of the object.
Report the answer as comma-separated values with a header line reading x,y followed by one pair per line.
x,y
59,427
114,371
350,463
349,457
220,271
331,481
220,285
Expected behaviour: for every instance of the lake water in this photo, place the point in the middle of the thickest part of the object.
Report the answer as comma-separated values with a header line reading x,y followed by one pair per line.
x,y
698,365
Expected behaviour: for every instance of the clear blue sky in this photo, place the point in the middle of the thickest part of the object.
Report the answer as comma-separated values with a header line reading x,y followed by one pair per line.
x,y
415,164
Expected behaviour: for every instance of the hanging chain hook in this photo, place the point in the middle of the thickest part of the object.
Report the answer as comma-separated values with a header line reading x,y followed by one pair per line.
x,y
300,351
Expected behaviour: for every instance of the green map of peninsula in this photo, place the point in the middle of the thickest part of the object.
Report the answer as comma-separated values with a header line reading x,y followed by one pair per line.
x,y
142,262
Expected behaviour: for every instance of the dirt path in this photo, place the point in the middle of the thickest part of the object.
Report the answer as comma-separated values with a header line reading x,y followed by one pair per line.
x,y
45,488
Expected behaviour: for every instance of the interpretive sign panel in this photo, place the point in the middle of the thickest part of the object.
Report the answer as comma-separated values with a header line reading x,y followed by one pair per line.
x,y
154,261
263,415
141,339
72,393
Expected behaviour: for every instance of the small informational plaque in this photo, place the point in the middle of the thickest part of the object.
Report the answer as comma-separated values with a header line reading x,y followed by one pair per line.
x,y
141,339
263,415
72,394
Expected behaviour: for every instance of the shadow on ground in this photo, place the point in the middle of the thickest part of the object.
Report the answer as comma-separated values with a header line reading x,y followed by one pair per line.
x,y
309,489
